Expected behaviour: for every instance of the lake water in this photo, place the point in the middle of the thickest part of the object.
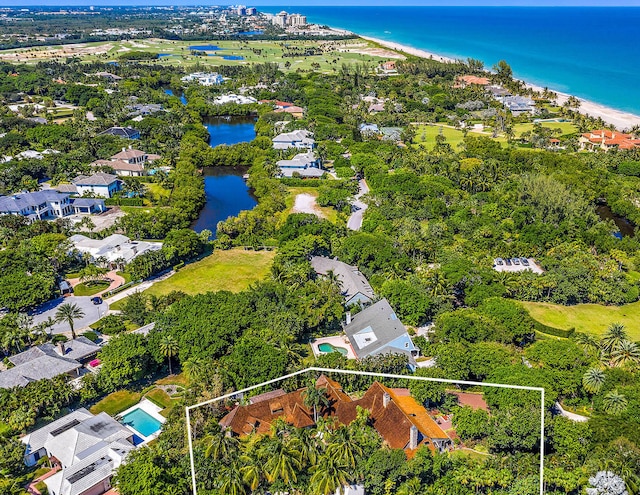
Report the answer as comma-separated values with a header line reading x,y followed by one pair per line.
x,y
227,194
626,227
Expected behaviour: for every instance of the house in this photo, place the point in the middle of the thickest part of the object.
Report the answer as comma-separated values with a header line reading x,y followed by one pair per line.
x,y
123,132
517,105
129,162
388,67
369,130
305,164
355,286
47,361
38,205
375,108
99,184
296,112
204,78
113,248
89,448
233,98
464,81
108,76
377,330
606,140
300,139
139,110
88,206
396,416
391,134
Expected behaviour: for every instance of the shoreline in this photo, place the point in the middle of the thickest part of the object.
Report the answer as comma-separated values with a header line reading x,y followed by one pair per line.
x,y
619,118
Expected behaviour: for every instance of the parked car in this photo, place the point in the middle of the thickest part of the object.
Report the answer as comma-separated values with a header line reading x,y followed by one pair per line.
x,y
516,261
96,300
524,261
499,261
508,261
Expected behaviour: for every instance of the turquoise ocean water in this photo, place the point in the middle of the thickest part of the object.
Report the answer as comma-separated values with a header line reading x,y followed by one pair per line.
x,y
592,52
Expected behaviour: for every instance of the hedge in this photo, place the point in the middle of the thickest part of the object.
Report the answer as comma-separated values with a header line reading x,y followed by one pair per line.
x,y
556,332
124,202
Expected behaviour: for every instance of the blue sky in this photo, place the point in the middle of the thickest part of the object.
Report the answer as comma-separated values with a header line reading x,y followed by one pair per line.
x,y
259,3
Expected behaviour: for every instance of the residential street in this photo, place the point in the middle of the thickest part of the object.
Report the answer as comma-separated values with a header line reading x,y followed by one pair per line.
x,y
92,313
358,207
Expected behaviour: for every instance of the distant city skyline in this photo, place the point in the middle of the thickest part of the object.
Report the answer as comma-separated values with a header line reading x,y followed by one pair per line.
x,y
331,3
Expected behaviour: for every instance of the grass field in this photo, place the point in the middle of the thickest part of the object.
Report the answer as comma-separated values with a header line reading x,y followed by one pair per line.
x,y
565,127
232,270
328,212
89,290
333,53
426,135
116,402
588,318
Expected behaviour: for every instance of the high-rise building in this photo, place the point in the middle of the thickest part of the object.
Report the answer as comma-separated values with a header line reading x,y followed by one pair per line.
x,y
241,10
297,20
251,11
281,19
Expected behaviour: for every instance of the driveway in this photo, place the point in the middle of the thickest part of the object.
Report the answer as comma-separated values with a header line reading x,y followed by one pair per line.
x,y
92,313
358,207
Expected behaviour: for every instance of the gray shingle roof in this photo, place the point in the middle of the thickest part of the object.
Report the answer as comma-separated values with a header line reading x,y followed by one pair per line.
x,y
36,439
126,132
99,179
351,280
20,201
377,330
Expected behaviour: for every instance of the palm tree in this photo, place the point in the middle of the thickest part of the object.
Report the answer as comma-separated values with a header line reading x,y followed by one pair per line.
x,y
169,348
231,480
625,354
343,447
220,446
328,476
315,397
588,343
68,313
282,460
613,336
614,403
593,380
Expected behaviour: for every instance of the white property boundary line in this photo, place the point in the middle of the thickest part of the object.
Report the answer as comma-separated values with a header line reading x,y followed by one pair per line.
x,y
367,373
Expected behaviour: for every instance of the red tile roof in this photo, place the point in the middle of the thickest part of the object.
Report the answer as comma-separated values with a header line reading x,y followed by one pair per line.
x,y
393,420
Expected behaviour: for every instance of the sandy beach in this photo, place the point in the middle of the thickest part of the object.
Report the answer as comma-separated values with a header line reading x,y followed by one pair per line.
x,y
619,118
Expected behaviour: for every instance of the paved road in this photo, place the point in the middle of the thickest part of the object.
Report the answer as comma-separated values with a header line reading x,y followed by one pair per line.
x,y
140,287
358,207
569,415
92,313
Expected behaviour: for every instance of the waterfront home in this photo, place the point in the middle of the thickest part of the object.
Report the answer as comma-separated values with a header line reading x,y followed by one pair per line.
x,y
88,448
388,67
99,184
355,286
394,414
113,248
306,165
129,162
604,139
123,132
464,81
47,361
517,105
38,205
234,98
377,330
204,78
301,139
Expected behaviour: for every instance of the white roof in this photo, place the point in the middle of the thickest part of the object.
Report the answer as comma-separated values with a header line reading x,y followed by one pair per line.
x,y
113,247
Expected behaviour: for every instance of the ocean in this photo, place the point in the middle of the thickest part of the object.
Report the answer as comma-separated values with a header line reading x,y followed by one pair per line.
x,y
589,52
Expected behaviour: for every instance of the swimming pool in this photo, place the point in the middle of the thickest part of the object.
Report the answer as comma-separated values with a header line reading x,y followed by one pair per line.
x,y
326,347
142,422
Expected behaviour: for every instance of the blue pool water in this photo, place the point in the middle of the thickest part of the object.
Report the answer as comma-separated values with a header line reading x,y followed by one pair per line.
x,y
233,57
142,422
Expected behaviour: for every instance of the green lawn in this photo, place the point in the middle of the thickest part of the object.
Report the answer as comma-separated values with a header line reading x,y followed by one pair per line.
x,y
587,318
232,270
159,397
565,127
116,402
89,290
426,135
331,58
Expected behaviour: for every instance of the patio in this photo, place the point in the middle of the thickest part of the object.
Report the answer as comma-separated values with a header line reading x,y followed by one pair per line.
x,y
325,345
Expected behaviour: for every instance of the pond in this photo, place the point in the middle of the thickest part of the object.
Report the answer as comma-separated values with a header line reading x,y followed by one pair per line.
x,y
626,228
227,194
